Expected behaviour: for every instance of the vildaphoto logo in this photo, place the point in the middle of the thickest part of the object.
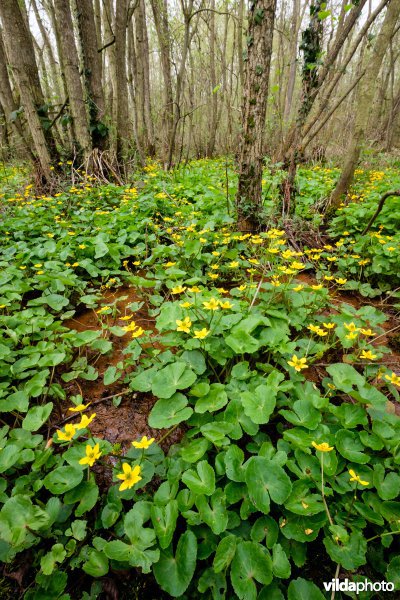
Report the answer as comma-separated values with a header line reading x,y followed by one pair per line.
x,y
345,585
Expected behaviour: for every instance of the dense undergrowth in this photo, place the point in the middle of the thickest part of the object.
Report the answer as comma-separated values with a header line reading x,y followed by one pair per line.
x,y
290,454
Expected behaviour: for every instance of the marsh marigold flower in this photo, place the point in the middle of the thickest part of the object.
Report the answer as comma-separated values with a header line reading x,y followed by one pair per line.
x,y
184,325
200,334
129,476
212,304
92,453
144,443
298,363
67,434
323,447
357,478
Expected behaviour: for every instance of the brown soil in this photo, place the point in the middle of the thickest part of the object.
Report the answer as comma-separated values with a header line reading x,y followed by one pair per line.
x,y
127,421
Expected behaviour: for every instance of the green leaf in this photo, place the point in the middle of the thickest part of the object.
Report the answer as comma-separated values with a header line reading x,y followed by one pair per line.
x,y
216,516
224,553
176,376
349,446
171,411
16,401
49,560
164,522
195,450
37,416
393,572
265,479
233,459
174,573
387,487
350,555
17,516
280,562
345,377
216,399
201,481
301,589
8,457
97,564
251,563
303,414
260,404
63,479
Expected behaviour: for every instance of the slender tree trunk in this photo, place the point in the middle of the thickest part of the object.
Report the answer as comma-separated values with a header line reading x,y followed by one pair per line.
x,y
160,15
260,36
10,107
21,57
213,81
364,101
70,61
123,128
92,70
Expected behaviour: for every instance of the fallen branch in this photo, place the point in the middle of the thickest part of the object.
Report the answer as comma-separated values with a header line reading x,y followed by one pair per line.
x,y
378,210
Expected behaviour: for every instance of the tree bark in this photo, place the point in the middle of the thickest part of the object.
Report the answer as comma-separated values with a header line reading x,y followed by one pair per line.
x,y
70,62
259,49
92,71
123,128
364,102
21,57
160,15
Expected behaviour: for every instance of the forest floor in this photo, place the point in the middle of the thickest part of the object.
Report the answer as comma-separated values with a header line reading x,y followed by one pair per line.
x,y
120,299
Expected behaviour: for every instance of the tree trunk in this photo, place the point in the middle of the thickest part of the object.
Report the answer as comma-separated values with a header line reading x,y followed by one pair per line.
x,y
213,81
123,128
10,107
70,62
21,57
160,15
364,102
259,49
92,70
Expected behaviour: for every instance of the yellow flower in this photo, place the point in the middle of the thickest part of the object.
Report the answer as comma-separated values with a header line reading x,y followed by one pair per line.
x,y
200,334
298,363
313,328
317,287
393,378
242,287
79,407
234,264
170,264
351,327
195,289
85,421
222,291
129,476
144,443
126,318
341,280
103,309
186,304
225,304
130,327
355,477
82,246
351,336
92,454
22,268
38,265
212,304
179,289
368,355
367,332
138,332
308,531
328,277
298,288
213,275
68,434
329,325
184,325
323,447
